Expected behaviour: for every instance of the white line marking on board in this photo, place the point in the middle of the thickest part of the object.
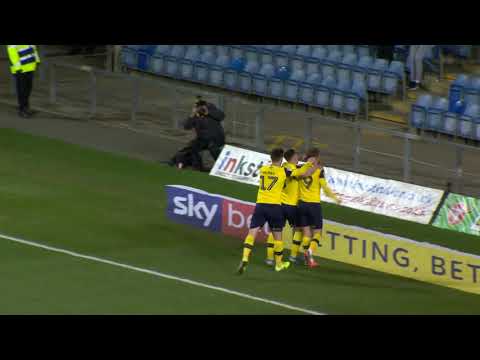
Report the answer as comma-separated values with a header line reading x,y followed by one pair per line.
x,y
159,274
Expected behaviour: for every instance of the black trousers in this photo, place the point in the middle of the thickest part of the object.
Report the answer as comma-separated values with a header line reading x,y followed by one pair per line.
x,y
24,82
214,146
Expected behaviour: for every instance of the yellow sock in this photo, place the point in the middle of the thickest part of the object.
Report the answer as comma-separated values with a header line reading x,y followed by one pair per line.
x,y
247,247
278,247
305,243
270,244
297,241
315,242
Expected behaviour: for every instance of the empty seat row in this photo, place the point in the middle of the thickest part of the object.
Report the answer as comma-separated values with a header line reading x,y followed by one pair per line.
x,y
380,76
308,50
433,113
263,80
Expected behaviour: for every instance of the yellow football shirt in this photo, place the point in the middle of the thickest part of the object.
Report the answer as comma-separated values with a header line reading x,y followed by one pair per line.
x,y
310,187
290,191
272,180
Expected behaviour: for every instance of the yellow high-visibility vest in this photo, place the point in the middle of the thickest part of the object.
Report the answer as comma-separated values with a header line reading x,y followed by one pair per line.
x,y
23,57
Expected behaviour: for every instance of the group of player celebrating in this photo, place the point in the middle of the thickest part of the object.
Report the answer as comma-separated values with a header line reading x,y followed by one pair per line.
x,y
289,192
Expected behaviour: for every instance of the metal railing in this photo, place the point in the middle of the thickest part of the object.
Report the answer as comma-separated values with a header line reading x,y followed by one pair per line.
x,y
359,150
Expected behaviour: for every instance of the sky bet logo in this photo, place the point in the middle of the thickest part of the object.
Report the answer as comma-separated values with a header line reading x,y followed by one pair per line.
x,y
193,207
198,208
240,166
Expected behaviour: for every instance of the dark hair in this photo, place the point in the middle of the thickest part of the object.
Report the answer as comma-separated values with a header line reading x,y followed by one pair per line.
x,y
289,154
313,152
276,154
201,103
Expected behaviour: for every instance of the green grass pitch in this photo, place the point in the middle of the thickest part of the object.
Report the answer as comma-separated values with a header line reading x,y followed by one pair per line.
x,y
112,207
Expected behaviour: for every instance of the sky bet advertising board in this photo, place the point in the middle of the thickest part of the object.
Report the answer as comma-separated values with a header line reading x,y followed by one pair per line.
x,y
349,244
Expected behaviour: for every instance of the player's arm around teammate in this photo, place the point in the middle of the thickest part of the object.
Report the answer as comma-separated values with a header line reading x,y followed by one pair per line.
x,y
290,200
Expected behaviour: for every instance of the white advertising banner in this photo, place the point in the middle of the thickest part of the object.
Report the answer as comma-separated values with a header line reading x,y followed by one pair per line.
x,y
382,196
362,192
239,164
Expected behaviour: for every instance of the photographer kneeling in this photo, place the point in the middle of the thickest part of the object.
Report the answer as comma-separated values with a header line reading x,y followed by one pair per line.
x,y
206,120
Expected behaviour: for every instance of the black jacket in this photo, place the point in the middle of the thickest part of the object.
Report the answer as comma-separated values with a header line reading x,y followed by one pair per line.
x,y
207,127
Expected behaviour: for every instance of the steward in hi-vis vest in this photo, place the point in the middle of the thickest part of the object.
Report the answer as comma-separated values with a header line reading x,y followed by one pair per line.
x,y
23,63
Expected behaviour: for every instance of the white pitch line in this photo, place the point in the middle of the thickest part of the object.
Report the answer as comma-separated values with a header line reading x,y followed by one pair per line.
x,y
159,274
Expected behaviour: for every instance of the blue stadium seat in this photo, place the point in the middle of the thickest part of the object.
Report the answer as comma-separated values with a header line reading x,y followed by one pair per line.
x,y
251,53
476,130
312,65
339,95
200,72
128,56
276,88
292,85
359,71
280,58
375,74
330,63
292,90
392,77
158,59
177,51
418,115
260,79
435,114
237,51
222,50
363,50
333,48
148,49
323,91
207,48
345,67
230,73
266,56
245,82
298,75
305,93
245,77
314,79
456,90
192,51
186,69
172,66
143,61
355,97
348,49
289,49
237,64
467,120
304,50
208,58
273,47
297,62
449,123
217,71
162,49
471,92
319,53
